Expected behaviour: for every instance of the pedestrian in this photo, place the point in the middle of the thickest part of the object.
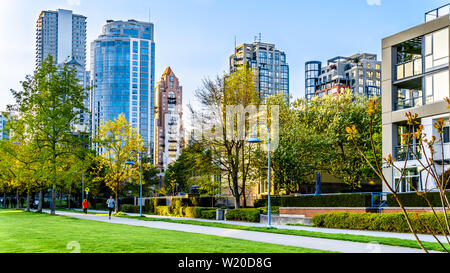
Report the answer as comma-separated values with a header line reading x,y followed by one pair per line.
x,y
85,206
111,204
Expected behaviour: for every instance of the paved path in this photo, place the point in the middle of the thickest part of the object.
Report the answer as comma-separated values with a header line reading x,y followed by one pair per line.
x,y
405,236
272,238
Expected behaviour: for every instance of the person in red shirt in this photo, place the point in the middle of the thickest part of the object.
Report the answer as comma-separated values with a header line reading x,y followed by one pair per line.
x,y
85,206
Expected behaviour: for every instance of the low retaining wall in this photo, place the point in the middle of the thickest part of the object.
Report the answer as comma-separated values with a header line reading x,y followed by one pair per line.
x,y
310,212
277,219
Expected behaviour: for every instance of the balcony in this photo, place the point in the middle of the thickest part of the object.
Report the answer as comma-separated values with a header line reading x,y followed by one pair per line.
x,y
436,13
409,69
409,103
402,153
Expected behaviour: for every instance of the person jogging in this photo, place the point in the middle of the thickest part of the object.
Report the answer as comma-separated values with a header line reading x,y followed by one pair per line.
x,y
111,204
85,206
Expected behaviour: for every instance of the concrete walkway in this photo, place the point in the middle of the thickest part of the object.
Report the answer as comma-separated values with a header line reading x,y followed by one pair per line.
x,y
404,236
272,238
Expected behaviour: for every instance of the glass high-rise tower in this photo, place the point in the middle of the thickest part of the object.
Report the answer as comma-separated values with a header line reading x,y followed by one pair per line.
x,y
122,73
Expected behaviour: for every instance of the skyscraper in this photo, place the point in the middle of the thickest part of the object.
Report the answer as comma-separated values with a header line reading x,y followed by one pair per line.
x,y
122,73
169,131
62,35
360,72
269,64
3,131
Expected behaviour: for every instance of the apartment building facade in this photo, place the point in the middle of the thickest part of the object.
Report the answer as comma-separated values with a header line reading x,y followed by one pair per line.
x,y
269,65
360,72
169,130
62,35
122,75
416,79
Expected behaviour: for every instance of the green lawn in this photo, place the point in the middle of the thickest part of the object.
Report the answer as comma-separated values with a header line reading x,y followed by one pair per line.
x,y
28,232
345,237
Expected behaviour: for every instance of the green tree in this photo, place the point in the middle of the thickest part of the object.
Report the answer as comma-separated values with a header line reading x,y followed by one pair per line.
x,y
117,139
229,151
50,104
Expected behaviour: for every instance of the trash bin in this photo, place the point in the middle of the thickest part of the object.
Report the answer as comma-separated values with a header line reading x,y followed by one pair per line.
x,y
220,214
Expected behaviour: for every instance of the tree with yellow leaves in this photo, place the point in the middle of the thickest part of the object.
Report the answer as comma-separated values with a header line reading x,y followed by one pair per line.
x,y
117,139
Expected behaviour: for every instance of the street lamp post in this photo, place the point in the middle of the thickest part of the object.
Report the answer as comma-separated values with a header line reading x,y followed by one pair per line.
x,y
255,139
131,162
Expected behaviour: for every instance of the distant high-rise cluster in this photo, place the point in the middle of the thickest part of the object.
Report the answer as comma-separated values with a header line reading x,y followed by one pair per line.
x,y
269,64
361,73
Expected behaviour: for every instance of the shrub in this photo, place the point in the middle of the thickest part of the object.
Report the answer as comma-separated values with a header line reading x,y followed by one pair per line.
x,y
195,212
130,208
100,206
249,215
272,210
411,199
208,214
203,201
163,210
335,200
391,222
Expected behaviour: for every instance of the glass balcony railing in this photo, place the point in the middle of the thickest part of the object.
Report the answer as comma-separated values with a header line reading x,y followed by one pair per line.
x,y
436,13
409,69
409,103
402,153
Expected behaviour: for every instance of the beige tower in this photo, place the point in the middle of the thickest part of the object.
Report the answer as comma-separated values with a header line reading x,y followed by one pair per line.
x,y
169,131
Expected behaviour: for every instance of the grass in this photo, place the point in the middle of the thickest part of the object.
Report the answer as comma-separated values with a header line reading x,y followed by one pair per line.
x,y
344,237
29,232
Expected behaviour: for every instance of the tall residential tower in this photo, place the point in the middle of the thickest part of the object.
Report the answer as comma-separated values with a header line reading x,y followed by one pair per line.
x,y
122,73
269,65
62,35
169,131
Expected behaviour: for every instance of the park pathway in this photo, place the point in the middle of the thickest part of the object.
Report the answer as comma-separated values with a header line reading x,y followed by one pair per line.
x,y
272,238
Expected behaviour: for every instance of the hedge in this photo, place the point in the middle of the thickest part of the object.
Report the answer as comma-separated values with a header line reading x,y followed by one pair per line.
x,y
249,214
390,222
189,212
130,208
335,200
179,202
272,210
411,199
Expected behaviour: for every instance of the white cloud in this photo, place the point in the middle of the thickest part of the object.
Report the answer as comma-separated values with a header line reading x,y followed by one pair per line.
x,y
373,2
74,2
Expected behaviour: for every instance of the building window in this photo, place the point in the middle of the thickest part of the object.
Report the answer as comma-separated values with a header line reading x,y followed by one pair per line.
x,y
409,182
436,49
446,136
436,86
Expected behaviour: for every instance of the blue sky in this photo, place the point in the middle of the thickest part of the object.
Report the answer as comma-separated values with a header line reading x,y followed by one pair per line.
x,y
196,37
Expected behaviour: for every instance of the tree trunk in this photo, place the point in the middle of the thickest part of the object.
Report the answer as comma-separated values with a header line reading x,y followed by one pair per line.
x,y
53,207
41,200
4,199
17,199
116,209
68,200
28,200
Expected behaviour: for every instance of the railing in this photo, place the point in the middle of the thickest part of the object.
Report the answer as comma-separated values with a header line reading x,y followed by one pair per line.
x,y
405,104
378,199
409,68
436,13
400,152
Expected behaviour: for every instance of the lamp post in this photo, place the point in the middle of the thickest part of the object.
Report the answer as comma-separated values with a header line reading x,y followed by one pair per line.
x,y
131,162
255,139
